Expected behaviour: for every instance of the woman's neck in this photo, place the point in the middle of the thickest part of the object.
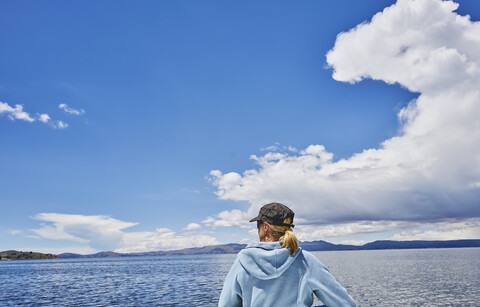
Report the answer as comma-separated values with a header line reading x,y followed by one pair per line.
x,y
269,239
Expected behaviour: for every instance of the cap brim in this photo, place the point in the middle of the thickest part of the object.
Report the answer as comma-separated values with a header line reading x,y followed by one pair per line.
x,y
258,218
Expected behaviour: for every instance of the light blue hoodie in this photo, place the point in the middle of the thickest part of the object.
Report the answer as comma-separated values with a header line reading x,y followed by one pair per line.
x,y
264,274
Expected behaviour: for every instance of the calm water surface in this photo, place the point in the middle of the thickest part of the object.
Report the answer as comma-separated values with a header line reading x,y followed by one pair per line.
x,y
428,277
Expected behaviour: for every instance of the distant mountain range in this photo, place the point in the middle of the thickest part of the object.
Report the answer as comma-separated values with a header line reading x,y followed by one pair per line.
x,y
387,244
234,248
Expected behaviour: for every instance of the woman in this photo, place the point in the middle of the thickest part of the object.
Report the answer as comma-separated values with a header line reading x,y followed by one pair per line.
x,y
276,272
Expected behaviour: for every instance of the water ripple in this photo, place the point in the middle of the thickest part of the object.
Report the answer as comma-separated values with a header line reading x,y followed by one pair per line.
x,y
443,277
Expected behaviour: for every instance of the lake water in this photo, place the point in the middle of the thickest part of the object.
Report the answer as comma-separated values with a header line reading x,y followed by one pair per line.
x,y
429,277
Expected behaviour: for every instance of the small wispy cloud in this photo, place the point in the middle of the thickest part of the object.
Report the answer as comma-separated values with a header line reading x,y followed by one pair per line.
x,y
71,111
17,113
277,147
60,125
44,118
192,226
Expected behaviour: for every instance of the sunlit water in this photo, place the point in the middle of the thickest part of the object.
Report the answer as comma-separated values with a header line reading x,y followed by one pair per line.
x,y
429,277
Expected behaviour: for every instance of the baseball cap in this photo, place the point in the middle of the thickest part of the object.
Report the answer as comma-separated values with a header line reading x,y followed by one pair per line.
x,y
275,214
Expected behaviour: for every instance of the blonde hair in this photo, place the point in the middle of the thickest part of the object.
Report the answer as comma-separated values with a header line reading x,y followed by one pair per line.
x,y
285,235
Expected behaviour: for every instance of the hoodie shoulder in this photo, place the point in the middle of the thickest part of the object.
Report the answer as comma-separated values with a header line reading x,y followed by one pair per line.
x,y
266,260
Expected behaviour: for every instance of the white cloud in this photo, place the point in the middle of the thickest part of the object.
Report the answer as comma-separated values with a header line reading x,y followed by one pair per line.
x,y
96,230
428,173
44,118
19,113
420,44
271,148
208,220
228,218
278,147
100,233
71,111
162,239
467,229
314,232
60,125
192,226
15,113
15,232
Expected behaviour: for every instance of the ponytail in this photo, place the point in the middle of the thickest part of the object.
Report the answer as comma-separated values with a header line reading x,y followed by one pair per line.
x,y
290,241
286,236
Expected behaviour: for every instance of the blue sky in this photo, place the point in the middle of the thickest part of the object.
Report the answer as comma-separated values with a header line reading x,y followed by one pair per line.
x,y
137,119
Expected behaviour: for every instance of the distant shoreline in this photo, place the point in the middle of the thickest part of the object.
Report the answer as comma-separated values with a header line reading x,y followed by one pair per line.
x,y
19,255
320,245
234,248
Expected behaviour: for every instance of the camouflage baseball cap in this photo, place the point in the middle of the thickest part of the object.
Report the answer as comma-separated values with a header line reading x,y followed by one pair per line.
x,y
275,214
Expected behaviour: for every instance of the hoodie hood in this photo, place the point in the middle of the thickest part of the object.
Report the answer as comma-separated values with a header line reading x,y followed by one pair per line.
x,y
266,260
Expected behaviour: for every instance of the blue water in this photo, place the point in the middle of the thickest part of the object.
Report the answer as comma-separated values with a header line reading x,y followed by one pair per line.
x,y
428,277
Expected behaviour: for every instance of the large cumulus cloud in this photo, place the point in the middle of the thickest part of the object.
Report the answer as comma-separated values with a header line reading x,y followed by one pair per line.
x,y
430,171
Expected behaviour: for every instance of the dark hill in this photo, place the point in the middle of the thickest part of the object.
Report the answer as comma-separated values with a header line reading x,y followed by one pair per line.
x,y
325,246
421,244
232,248
18,255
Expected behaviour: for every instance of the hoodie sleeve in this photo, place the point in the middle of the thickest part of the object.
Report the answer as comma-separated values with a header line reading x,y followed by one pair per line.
x,y
231,293
325,286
